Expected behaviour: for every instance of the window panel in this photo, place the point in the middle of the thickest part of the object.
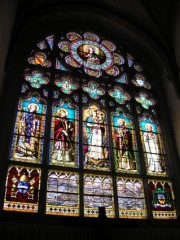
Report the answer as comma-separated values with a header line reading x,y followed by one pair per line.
x,y
72,36
39,58
27,144
66,84
124,143
97,79
122,79
131,199
144,99
119,95
64,147
42,45
140,81
91,36
162,199
36,79
98,192
93,90
95,138
50,40
62,193
22,189
60,66
152,146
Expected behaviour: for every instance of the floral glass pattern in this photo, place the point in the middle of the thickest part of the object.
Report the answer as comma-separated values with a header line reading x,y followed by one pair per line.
x,y
113,71
64,46
138,67
39,58
119,95
66,84
89,52
56,94
144,100
45,92
36,79
94,90
76,97
130,60
118,59
72,36
71,62
24,88
42,45
140,81
84,99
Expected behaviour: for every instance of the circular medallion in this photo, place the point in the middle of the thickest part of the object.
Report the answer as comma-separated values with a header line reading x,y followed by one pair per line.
x,y
91,55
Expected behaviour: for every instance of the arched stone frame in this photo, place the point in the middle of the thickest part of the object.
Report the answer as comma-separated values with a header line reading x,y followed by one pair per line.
x,y
138,43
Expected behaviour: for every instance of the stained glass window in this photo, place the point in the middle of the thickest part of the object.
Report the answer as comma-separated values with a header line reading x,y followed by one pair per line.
x,y
145,101
98,193
39,58
87,126
96,140
66,84
22,189
50,41
131,199
122,79
119,95
62,193
64,135
162,199
94,90
153,146
36,79
28,137
124,143
140,81
60,66
42,45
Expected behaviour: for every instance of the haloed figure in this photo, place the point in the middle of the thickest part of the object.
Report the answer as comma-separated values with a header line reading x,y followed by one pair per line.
x,y
92,57
152,149
95,138
63,135
29,129
125,154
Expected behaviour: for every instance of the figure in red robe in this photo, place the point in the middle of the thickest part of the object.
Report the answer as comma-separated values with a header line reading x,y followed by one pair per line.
x,y
63,137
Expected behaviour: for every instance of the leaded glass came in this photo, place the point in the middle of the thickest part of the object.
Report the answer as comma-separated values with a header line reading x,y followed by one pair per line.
x,y
87,126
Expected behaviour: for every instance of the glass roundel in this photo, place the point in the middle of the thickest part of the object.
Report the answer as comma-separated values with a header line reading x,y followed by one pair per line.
x,y
91,54
96,57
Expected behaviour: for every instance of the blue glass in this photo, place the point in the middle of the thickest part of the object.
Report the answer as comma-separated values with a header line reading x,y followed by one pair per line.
x,y
93,90
119,95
